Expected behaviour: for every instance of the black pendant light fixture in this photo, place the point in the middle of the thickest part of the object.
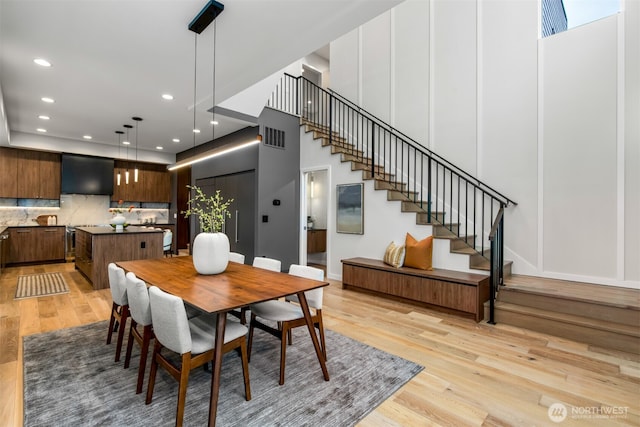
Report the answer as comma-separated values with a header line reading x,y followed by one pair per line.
x,y
126,173
135,171
120,133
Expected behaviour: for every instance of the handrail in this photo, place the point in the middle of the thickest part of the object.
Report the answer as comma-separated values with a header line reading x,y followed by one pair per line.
x,y
507,201
496,224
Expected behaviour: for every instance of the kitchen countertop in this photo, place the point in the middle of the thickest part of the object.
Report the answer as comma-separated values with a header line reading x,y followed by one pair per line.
x,y
110,230
32,225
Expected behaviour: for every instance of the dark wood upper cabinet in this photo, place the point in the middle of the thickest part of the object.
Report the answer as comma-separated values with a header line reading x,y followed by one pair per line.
x,y
9,170
29,174
154,182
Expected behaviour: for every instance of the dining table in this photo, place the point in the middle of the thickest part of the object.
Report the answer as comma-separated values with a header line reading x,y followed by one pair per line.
x,y
238,286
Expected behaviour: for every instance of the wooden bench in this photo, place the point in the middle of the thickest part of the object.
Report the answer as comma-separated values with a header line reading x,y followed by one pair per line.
x,y
459,292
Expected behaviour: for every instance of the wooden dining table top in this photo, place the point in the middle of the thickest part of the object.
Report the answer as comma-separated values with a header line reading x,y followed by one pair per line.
x,y
238,286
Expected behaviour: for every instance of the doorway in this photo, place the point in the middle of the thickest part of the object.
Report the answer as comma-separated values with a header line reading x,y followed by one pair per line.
x,y
315,217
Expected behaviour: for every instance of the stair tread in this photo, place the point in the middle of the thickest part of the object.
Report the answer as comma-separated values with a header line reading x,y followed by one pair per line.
x,y
571,318
587,292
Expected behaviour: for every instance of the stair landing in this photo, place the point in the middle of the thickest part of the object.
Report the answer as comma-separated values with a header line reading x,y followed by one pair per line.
x,y
602,316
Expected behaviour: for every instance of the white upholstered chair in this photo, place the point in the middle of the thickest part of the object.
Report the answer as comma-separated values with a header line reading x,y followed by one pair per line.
x,y
120,307
140,311
259,262
167,242
288,314
236,257
267,263
193,339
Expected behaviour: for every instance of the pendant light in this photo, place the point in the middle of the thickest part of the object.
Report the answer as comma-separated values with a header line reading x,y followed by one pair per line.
x,y
126,173
195,86
120,133
135,171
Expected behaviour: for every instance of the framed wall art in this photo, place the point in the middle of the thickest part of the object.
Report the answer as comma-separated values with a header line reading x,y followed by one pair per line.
x,y
350,208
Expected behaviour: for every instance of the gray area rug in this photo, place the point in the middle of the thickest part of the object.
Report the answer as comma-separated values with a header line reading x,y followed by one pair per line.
x,y
38,285
71,379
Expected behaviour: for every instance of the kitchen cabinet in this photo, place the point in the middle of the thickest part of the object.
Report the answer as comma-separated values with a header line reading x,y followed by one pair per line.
x,y
36,244
38,175
9,168
316,241
96,247
154,182
49,184
28,174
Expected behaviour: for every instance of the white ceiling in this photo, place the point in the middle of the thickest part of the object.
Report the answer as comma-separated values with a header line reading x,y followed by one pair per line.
x,y
113,59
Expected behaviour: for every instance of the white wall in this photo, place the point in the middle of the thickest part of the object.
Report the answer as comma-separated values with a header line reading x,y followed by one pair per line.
x,y
579,150
550,123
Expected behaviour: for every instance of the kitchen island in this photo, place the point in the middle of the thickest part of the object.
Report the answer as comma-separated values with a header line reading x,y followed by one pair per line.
x,y
96,247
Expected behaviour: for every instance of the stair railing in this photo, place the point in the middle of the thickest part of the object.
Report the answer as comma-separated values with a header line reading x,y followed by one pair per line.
x,y
496,259
441,192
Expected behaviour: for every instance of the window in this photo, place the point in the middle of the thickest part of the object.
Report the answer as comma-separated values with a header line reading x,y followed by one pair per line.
x,y
560,15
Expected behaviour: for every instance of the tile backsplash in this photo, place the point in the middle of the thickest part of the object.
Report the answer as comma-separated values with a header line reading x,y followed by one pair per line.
x,y
76,209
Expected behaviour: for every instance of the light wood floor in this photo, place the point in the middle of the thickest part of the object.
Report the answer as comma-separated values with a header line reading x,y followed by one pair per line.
x,y
475,373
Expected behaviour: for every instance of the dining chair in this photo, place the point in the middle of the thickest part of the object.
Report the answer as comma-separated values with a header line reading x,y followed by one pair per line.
x,y
120,307
193,339
140,311
167,242
236,257
259,262
289,315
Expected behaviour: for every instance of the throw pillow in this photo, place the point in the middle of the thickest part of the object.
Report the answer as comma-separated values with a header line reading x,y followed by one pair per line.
x,y
419,253
394,255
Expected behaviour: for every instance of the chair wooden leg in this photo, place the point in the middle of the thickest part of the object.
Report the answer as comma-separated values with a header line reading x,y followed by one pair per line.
x,y
250,338
127,357
182,387
144,351
283,349
323,343
123,323
245,369
152,372
112,321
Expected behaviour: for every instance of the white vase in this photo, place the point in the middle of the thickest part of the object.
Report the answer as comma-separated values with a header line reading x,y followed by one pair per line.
x,y
119,221
210,253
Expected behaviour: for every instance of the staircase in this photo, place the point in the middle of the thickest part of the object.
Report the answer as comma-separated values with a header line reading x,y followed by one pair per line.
x,y
458,206
601,316
409,201
465,211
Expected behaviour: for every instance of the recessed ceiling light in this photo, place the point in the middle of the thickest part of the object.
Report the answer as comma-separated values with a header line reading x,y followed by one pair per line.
x,y
176,140
49,100
87,136
125,143
159,148
42,62
214,122
41,130
44,117
167,96
196,131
